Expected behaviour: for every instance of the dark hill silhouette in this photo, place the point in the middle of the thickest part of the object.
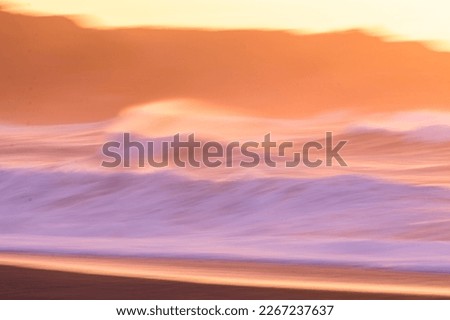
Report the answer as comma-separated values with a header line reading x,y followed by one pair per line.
x,y
54,71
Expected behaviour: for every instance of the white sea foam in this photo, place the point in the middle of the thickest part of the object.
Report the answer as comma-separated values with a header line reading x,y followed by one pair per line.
x,y
390,207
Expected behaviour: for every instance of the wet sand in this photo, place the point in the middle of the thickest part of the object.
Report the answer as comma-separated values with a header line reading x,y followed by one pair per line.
x,y
24,284
68,277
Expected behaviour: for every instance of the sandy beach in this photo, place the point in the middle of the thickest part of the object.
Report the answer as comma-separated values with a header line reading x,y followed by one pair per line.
x,y
24,276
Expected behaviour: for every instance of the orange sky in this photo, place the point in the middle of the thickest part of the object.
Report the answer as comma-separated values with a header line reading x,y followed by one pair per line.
x,y
57,72
412,19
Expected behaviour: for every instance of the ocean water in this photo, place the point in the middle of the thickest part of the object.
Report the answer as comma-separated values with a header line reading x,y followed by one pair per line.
x,y
389,207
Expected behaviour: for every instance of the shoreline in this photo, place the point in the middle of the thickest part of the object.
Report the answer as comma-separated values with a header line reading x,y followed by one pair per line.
x,y
205,279
34,284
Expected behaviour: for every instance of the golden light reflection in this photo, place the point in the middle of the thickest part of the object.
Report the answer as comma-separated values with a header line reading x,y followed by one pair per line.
x,y
418,20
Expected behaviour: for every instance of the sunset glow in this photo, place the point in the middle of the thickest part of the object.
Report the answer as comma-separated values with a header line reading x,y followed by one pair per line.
x,y
418,20
217,149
